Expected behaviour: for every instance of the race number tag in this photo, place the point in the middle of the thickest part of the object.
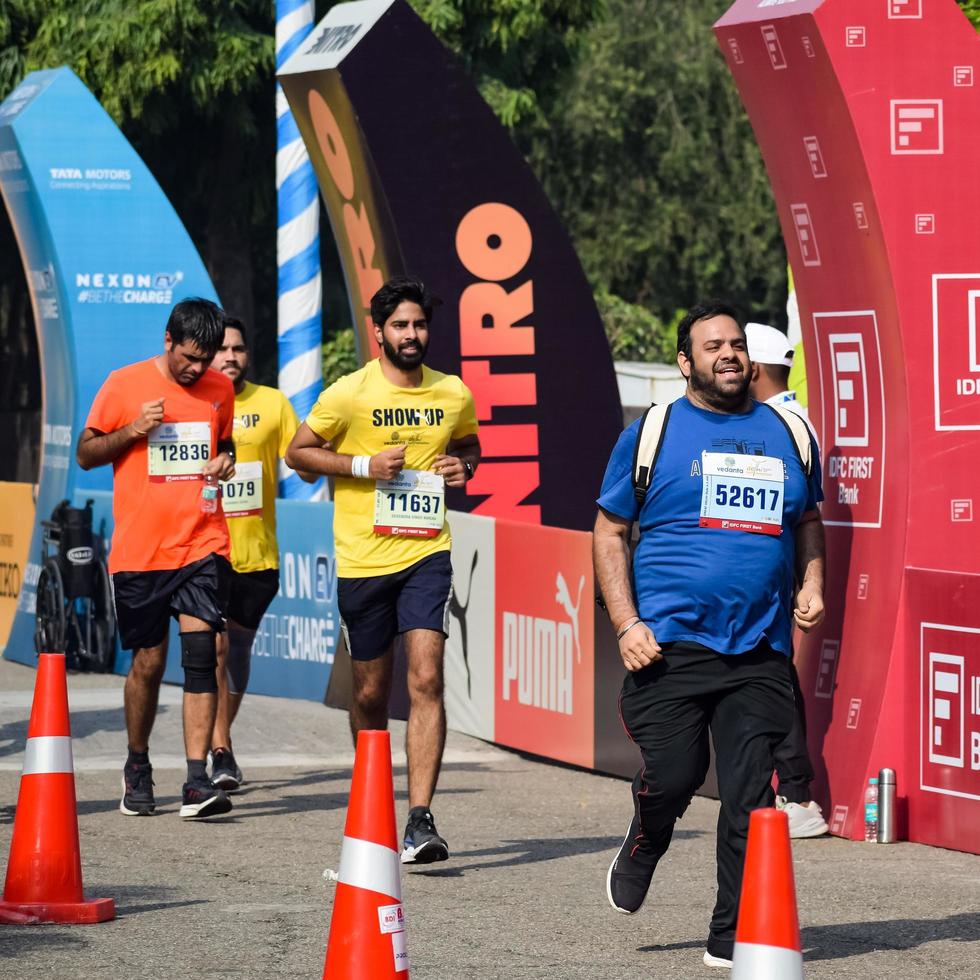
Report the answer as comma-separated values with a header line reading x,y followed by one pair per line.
x,y
412,504
242,494
178,450
742,493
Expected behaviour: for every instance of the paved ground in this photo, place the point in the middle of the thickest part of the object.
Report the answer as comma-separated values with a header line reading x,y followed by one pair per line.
x,y
523,896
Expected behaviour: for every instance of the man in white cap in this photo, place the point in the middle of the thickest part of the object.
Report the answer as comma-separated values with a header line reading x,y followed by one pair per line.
x,y
771,355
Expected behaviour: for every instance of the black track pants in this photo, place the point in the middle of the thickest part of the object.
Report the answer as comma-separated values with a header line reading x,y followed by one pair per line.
x,y
792,757
747,703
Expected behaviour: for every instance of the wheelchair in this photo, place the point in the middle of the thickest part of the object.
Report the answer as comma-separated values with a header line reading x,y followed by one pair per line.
x,y
74,613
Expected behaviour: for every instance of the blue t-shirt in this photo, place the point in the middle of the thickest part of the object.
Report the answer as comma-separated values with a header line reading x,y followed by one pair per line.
x,y
725,589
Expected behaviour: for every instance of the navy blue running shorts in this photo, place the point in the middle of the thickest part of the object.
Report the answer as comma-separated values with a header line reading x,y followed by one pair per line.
x,y
374,610
251,595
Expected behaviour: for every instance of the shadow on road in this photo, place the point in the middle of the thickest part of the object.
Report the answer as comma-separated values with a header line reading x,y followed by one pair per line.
x,y
855,938
15,940
530,851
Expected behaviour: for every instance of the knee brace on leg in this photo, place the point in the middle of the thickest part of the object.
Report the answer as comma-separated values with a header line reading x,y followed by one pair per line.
x,y
199,660
239,661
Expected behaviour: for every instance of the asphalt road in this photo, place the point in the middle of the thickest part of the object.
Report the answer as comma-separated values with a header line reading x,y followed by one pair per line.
x,y
522,896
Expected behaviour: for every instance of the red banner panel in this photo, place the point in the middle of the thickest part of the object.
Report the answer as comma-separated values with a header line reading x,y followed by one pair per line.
x,y
544,642
868,116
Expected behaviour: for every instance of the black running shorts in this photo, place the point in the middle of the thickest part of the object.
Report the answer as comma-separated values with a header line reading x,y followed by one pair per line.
x,y
145,601
251,594
374,610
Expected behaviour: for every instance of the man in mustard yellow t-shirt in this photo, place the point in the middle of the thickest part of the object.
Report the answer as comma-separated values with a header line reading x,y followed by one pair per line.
x,y
264,424
394,435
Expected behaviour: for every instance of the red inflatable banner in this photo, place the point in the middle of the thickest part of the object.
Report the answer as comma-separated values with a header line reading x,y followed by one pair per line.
x,y
868,116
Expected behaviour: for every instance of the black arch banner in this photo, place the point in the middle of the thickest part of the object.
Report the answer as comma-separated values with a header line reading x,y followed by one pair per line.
x,y
419,176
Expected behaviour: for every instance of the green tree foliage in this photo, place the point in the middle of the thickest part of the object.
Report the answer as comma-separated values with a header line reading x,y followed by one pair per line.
x,y
972,10
339,355
651,161
634,333
190,83
515,50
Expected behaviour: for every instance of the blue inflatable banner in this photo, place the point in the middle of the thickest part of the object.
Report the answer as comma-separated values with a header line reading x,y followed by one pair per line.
x,y
105,257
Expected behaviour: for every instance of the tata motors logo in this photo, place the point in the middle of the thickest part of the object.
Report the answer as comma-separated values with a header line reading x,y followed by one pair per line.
x,y
127,287
90,178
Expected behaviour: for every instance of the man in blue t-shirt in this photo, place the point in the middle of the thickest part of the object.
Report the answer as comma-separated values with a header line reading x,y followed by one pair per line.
x,y
730,553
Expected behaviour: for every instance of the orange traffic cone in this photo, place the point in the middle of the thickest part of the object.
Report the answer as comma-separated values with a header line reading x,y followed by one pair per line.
x,y
44,873
767,939
367,930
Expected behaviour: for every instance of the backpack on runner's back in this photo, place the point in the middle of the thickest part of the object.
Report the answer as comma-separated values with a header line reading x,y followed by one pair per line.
x,y
651,437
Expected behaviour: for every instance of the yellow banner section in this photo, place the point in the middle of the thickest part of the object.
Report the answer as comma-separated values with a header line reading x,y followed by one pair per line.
x,y
16,525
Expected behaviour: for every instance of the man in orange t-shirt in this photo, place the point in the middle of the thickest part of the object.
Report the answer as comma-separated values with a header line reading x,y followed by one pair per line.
x,y
165,425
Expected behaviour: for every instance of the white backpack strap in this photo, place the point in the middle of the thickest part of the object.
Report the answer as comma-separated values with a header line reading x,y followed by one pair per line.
x,y
648,442
800,434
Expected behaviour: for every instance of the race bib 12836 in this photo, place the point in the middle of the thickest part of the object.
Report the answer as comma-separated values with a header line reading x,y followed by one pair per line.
x,y
178,450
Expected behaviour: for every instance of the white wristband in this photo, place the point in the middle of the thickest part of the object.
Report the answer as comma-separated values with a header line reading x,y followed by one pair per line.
x,y
360,466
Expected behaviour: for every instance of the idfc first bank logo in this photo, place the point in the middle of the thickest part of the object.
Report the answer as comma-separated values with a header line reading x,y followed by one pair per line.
x,y
544,640
956,350
950,706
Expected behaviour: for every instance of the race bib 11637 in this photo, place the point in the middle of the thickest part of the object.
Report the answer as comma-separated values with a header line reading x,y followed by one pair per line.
x,y
412,504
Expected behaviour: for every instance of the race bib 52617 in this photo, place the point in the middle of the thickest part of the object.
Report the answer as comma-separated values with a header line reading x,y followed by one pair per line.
x,y
412,504
178,450
742,493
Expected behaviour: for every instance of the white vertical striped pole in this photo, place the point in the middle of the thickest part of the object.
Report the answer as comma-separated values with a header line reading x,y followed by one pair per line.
x,y
298,249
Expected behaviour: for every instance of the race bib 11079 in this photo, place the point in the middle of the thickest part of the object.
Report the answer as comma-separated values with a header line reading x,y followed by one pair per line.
x,y
241,496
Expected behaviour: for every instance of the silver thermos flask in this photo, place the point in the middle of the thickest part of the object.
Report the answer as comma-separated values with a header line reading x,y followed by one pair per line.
x,y
886,806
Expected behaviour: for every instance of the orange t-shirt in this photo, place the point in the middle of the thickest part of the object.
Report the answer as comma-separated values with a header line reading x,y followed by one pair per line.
x,y
156,501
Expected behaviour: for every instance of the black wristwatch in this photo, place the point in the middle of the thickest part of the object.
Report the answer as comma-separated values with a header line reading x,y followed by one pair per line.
x,y
468,466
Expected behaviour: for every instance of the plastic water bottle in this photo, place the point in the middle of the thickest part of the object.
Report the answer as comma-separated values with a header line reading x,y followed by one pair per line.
x,y
209,495
871,810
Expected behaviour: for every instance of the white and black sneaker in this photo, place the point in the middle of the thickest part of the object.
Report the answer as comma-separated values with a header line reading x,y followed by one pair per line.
x,y
423,845
201,799
631,871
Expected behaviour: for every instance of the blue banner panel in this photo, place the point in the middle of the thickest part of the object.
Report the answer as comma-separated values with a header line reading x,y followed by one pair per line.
x,y
105,257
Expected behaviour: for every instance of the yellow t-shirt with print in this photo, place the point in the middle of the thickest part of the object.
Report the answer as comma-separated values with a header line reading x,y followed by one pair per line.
x,y
265,424
363,414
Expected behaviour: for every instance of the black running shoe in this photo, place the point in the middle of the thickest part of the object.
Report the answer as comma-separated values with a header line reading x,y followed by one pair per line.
x,y
423,845
137,799
225,773
629,876
201,799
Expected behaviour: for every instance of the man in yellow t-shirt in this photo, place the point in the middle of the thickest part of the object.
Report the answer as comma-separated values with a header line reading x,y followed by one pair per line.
x,y
393,435
264,424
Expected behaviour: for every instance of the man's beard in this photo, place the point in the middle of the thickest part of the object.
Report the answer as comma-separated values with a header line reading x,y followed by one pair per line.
x,y
707,387
405,361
